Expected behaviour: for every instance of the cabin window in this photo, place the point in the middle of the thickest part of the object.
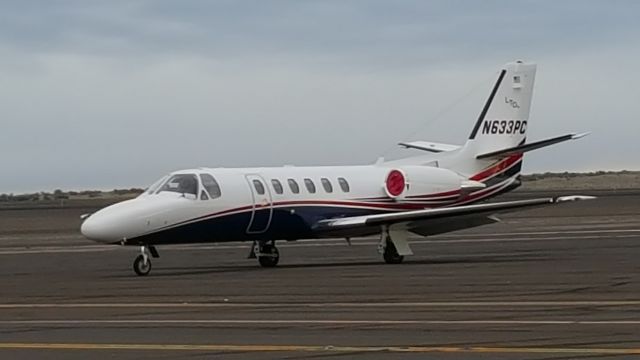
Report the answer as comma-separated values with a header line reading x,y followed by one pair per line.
x,y
259,187
211,185
311,187
203,195
277,186
326,184
293,185
182,183
344,185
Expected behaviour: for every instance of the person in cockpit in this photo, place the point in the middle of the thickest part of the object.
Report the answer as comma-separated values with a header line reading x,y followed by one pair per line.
x,y
188,185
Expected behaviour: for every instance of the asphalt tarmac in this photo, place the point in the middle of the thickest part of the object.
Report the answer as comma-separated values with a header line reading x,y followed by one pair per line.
x,y
554,283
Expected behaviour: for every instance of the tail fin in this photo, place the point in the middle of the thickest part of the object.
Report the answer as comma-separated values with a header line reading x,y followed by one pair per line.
x,y
502,124
503,121
493,153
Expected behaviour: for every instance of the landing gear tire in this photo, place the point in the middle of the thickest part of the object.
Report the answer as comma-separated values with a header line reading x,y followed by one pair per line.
x,y
391,255
140,266
269,256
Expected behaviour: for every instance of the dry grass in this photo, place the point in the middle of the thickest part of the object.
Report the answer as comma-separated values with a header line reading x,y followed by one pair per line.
x,y
625,180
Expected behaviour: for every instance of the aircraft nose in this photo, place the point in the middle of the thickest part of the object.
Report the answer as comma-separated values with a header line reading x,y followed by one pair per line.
x,y
97,228
124,220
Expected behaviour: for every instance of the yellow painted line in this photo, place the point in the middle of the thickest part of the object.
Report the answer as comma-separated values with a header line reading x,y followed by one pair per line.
x,y
562,303
318,348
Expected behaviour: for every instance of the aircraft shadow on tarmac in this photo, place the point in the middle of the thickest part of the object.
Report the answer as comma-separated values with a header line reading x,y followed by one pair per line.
x,y
160,271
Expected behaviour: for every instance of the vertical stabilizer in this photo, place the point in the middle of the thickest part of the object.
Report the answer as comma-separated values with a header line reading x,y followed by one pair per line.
x,y
502,124
492,155
504,118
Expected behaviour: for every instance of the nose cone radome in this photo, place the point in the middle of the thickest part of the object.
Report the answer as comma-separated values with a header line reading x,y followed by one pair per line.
x,y
114,223
97,227
124,220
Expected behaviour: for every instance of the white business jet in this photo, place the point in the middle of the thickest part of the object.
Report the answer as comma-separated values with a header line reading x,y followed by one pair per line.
x,y
432,193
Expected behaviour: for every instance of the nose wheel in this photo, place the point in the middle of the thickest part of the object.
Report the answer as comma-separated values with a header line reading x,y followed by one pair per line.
x,y
142,263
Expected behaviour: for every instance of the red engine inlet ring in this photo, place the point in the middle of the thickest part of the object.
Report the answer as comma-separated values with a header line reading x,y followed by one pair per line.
x,y
395,183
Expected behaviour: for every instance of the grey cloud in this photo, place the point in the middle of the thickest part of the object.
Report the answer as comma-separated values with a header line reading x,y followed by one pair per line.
x,y
117,93
422,31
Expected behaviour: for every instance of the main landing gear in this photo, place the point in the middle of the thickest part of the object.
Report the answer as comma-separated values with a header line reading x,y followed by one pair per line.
x,y
266,252
142,263
391,255
393,245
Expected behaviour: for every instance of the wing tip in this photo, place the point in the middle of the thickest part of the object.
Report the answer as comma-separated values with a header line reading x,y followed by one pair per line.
x,y
570,198
579,136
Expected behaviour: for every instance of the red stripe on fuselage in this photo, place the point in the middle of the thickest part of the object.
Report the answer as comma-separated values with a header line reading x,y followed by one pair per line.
x,y
485,193
497,168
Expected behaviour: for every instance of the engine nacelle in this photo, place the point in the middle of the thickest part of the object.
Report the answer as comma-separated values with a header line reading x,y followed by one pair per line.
x,y
413,182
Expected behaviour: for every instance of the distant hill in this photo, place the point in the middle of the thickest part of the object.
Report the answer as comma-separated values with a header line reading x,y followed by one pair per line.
x,y
67,199
599,180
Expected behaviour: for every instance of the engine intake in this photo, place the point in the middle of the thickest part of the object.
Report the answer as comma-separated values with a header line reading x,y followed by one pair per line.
x,y
418,182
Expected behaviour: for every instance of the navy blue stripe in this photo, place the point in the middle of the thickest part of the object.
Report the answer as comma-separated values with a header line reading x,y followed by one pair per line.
x,y
487,105
287,224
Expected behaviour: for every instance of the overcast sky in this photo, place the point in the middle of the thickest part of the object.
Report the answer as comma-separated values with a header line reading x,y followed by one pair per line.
x,y
105,94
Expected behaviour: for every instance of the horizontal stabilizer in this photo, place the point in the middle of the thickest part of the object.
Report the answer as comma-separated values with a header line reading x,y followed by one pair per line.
x,y
531,146
429,146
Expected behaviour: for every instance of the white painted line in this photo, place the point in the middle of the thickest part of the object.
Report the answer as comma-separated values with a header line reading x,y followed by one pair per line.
x,y
321,243
360,349
317,243
314,322
81,238
548,232
530,239
435,304
61,250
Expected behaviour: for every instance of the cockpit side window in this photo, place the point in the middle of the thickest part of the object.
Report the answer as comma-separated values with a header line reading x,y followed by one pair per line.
x,y
181,183
211,185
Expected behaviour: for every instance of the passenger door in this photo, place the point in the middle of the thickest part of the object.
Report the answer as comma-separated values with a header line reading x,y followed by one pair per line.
x,y
262,204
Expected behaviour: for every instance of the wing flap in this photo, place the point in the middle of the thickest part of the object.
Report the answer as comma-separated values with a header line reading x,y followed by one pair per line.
x,y
442,226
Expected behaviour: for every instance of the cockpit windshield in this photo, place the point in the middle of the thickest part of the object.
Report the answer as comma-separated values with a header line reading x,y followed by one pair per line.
x,y
152,189
181,183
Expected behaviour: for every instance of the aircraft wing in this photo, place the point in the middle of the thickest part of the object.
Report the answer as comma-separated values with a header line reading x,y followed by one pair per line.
x,y
440,220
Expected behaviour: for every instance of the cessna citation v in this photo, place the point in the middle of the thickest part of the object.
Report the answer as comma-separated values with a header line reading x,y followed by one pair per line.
x,y
428,194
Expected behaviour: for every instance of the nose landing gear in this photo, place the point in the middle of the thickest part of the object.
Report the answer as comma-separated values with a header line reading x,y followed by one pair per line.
x,y
142,263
